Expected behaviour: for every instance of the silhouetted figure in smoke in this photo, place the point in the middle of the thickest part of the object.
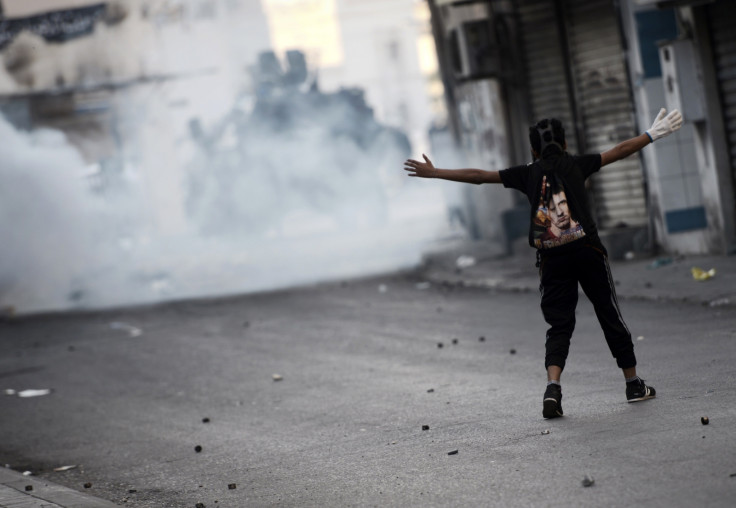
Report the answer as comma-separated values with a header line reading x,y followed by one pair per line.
x,y
248,157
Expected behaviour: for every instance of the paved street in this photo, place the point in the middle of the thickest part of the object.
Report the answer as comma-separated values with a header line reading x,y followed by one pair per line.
x,y
362,374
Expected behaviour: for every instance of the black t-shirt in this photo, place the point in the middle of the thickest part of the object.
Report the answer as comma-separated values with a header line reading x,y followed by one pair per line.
x,y
555,186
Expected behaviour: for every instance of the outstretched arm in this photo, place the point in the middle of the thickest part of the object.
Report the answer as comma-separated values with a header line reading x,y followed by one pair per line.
x,y
664,125
427,170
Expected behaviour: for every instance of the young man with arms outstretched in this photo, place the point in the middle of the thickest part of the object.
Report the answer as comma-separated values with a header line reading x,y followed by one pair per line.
x,y
569,250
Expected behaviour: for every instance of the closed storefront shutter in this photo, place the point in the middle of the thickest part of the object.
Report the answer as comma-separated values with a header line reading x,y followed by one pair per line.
x,y
722,17
606,110
577,50
546,68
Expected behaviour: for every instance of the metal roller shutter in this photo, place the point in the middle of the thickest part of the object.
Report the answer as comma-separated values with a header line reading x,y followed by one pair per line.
x,y
722,20
606,110
545,65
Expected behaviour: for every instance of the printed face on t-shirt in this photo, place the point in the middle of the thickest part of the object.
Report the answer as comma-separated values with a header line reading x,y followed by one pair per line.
x,y
559,213
553,224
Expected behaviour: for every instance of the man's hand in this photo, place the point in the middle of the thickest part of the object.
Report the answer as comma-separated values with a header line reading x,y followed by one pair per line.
x,y
665,125
420,169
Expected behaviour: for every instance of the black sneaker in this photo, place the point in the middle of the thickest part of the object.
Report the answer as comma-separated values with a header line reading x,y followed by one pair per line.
x,y
552,401
637,390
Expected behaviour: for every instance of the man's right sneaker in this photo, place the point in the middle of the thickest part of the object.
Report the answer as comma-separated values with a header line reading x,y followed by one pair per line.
x,y
552,404
637,390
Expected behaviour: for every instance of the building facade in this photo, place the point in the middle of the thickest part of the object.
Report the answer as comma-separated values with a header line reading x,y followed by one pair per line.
x,y
604,68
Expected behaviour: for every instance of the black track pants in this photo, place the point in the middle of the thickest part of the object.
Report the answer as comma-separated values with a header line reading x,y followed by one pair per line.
x,y
559,278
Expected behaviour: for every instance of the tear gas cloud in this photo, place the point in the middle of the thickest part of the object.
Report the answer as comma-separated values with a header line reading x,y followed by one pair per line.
x,y
210,193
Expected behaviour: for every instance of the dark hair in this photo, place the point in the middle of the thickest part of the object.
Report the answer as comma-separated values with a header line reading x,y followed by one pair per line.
x,y
547,136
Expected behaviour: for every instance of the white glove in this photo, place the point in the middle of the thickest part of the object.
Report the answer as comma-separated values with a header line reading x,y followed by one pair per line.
x,y
665,125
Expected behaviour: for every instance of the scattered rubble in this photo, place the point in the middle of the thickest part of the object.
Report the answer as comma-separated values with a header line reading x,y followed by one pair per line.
x,y
588,481
425,427
453,452
545,432
231,486
704,420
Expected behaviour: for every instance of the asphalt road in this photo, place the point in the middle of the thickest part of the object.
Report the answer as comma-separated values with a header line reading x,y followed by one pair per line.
x,y
362,373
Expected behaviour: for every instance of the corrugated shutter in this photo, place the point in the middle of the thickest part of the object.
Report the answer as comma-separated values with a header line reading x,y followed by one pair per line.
x,y
606,110
722,17
545,65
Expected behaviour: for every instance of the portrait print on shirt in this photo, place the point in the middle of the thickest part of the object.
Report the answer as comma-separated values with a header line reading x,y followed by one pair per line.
x,y
554,223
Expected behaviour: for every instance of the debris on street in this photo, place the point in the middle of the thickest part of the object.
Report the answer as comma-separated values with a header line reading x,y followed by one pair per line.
x,y
27,473
132,330
512,351
465,262
425,427
700,275
431,390
277,377
659,262
88,485
640,337
232,486
719,302
197,448
588,481
453,452
439,344
33,393
205,420
454,341
64,468
545,432
199,505
29,488
481,339
704,420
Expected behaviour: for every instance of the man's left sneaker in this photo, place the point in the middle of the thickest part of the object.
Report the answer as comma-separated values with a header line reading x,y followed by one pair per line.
x,y
552,403
638,390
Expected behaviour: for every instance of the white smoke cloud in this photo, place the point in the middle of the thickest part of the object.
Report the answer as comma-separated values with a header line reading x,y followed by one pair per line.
x,y
253,205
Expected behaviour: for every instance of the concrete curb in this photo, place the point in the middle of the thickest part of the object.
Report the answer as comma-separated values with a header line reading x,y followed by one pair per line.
x,y
43,494
635,280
